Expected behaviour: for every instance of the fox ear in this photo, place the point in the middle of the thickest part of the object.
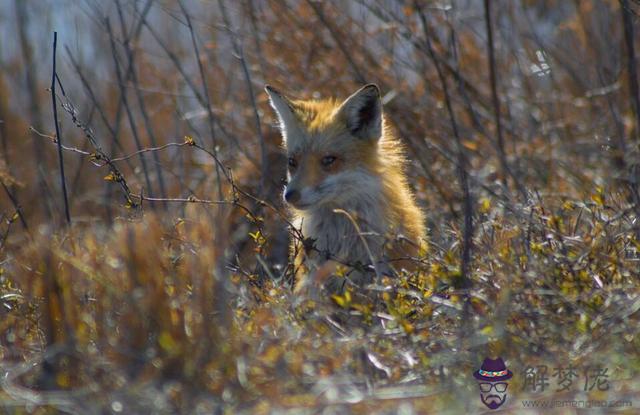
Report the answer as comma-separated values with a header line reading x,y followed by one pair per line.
x,y
362,113
284,108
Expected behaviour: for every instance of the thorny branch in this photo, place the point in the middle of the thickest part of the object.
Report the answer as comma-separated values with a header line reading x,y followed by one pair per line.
x,y
131,198
99,153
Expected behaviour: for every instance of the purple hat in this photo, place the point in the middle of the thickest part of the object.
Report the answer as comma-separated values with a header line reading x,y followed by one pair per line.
x,y
493,371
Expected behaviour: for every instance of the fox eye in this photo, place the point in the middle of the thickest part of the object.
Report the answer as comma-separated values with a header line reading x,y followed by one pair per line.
x,y
328,160
293,163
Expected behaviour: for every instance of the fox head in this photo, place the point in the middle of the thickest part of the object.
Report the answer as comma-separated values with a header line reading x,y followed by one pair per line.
x,y
332,147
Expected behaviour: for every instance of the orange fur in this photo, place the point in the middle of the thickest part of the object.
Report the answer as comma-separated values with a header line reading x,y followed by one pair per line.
x,y
364,177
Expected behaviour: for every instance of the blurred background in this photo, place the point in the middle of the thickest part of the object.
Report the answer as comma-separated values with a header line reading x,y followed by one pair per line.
x,y
146,73
520,115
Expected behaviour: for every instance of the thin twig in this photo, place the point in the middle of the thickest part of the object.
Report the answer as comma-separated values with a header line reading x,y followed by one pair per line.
x,y
496,105
16,206
360,77
141,103
364,241
203,78
132,124
634,89
462,159
94,100
239,52
99,153
191,199
114,130
632,72
57,142
35,111
97,157
55,119
210,117
256,36
148,149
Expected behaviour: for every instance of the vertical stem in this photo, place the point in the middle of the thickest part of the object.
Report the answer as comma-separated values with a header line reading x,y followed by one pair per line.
x,y
141,103
239,51
467,243
358,74
632,69
16,205
494,89
506,171
35,110
205,90
58,137
256,35
463,177
125,102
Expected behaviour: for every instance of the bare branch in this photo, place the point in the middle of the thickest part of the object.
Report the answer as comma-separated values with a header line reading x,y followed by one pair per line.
x,y
132,124
55,119
496,105
462,159
239,51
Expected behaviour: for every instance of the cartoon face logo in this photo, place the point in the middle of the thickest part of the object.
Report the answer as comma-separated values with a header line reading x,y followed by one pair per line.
x,y
492,377
493,394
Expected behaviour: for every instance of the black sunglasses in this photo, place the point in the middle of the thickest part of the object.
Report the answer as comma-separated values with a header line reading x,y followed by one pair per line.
x,y
499,386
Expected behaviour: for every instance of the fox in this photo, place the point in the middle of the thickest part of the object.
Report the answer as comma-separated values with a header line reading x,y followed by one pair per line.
x,y
346,188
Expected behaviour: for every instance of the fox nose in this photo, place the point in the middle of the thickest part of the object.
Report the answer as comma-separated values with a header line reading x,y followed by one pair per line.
x,y
292,196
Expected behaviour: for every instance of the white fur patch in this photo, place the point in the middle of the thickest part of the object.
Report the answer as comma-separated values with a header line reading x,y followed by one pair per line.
x,y
358,193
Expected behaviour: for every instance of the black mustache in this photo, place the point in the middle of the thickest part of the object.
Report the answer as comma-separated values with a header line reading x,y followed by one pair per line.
x,y
490,398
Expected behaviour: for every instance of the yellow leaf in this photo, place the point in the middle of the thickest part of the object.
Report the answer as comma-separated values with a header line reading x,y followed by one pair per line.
x,y
408,327
598,197
343,301
487,330
536,247
271,355
485,205
583,323
471,145
166,341
62,379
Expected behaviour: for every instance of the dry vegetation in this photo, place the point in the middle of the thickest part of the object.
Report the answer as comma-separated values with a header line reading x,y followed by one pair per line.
x,y
170,291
